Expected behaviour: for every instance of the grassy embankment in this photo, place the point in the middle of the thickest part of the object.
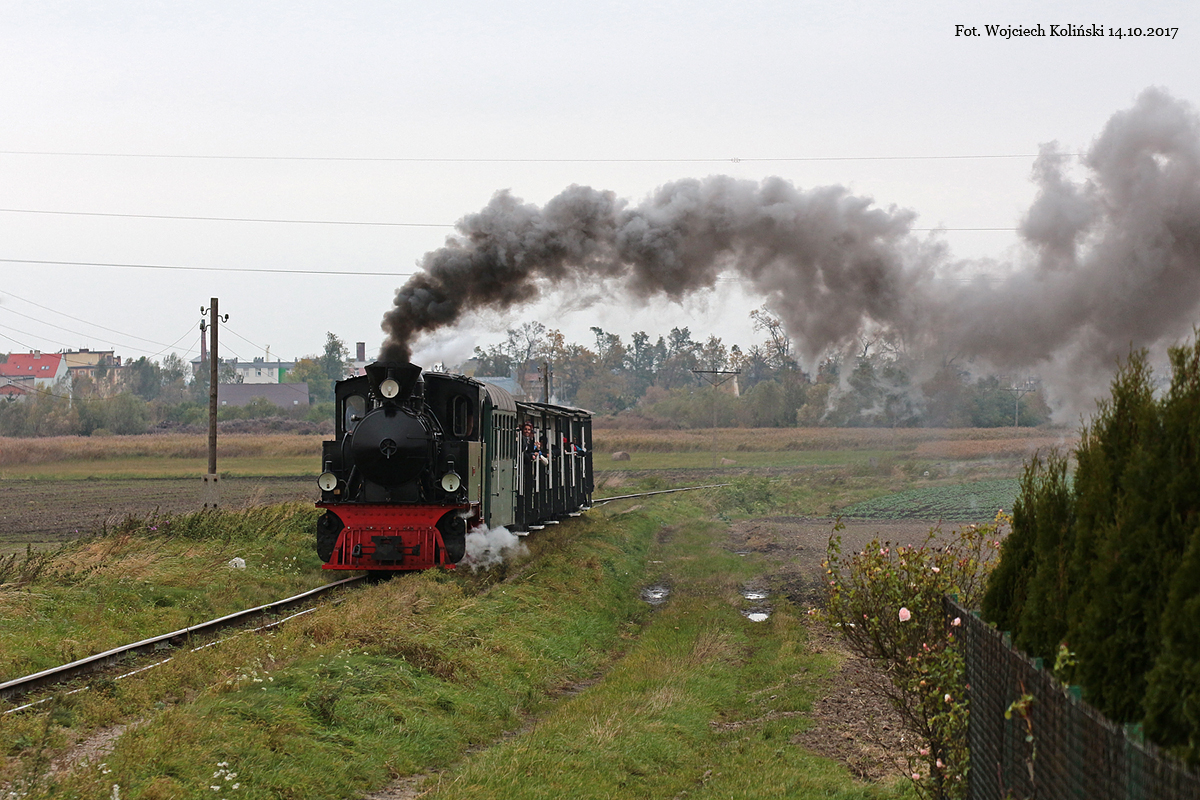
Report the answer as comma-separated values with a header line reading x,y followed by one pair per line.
x,y
409,676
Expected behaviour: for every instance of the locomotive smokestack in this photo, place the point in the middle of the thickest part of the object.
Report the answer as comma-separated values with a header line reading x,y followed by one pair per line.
x,y
1110,262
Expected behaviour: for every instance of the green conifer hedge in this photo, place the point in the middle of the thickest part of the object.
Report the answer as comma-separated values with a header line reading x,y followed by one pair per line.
x,y
1108,566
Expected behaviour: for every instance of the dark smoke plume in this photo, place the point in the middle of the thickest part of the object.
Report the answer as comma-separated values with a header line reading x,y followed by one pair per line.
x,y
1112,262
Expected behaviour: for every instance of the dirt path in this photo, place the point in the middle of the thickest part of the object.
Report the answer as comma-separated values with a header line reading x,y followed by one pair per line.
x,y
854,724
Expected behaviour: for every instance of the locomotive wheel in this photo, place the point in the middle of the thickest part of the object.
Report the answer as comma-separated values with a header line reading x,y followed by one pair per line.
x,y
456,546
329,526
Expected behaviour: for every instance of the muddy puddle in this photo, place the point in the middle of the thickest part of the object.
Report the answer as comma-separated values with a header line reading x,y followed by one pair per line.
x,y
656,595
759,611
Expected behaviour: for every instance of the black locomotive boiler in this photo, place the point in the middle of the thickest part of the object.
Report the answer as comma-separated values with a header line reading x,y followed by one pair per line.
x,y
421,458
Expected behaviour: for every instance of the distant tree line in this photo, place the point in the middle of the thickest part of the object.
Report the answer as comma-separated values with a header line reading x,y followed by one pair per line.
x,y
160,395
654,378
645,380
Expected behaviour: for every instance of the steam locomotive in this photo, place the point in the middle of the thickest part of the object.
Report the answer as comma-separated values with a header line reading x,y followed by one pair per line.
x,y
421,458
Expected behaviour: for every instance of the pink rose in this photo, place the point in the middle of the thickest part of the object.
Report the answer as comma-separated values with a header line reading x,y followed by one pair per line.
x,y
905,614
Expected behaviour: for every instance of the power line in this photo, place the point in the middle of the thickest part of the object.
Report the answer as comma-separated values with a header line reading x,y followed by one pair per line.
x,y
14,341
27,333
255,345
312,221
202,269
186,352
419,160
77,319
228,219
68,345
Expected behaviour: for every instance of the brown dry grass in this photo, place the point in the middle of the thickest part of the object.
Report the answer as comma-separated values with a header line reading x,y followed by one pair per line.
x,y
100,448
963,449
926,442
979,440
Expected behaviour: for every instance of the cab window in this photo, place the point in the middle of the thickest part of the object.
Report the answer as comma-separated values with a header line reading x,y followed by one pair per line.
x,y
356,409
460,416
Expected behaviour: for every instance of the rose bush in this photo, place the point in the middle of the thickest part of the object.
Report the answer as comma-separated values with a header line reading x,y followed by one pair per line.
x,y
887,603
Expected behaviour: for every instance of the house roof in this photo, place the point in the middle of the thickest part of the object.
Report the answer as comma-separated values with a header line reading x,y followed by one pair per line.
x,y
284,395
31,365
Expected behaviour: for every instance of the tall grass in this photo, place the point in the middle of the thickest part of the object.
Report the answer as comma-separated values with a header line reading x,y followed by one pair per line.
x,y
147,576
87,448
241,445
401,677
791,439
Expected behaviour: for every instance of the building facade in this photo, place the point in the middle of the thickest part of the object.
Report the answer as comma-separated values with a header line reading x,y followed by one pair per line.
x,y
25,373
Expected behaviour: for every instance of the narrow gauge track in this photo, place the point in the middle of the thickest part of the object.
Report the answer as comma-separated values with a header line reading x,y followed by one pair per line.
x,y
19,686
660,491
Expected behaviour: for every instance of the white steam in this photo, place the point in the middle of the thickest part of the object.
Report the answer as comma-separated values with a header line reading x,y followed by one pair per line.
x,y
488,547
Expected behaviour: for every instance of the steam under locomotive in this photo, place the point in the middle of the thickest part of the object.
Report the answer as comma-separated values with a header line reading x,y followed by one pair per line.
x,y
420,459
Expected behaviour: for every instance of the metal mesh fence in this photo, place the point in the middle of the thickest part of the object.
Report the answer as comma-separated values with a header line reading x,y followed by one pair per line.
x,y
1052,745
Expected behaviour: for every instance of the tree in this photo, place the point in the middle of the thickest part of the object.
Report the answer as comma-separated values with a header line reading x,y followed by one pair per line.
x,y
524,344
310,371
676,368
335,359
144,378
713,355
493,362
1110,566
610,352
643,359
573,365
778,346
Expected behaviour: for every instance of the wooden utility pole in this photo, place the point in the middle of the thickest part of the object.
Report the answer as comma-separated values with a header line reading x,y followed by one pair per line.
x,y
211,495
715,377
1018,393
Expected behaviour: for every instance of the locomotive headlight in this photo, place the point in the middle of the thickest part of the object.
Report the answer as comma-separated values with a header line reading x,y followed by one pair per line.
x,y
327,481
389,388
451,481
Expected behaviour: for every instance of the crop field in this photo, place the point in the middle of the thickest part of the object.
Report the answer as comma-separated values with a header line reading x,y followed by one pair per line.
x,y
977,501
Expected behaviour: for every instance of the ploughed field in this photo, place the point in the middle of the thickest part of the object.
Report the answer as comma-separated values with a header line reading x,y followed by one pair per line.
x,y
45,512
56,489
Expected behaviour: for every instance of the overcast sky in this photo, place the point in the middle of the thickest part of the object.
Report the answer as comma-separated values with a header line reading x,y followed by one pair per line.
x,y
416,114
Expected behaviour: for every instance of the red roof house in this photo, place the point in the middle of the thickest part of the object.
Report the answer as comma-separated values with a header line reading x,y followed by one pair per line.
x,y
36,369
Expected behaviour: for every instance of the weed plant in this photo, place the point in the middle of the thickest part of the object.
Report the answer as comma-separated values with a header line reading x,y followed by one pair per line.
x,y
149,576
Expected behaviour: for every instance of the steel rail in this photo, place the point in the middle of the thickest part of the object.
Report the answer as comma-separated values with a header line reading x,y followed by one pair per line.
x,y
19,686
660,491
